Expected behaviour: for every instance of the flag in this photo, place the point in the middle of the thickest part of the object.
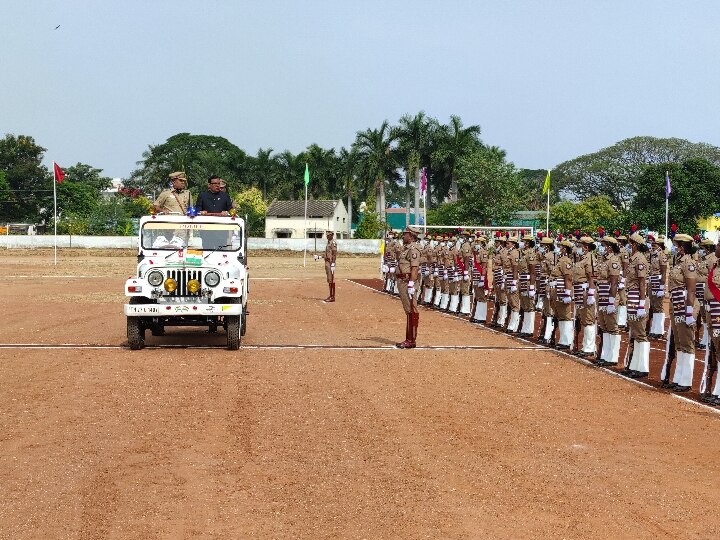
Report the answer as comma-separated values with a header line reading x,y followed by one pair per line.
x,y
668,189
423,180
546,186
307,175
58,173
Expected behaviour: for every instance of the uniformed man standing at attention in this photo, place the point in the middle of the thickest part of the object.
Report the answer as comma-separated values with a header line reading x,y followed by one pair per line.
x,y
330,256
175,200
407,276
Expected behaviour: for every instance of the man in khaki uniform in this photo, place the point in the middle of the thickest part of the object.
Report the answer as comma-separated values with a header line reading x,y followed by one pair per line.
x,y
330,256
175,200
658,263
466,258
407,276
480,279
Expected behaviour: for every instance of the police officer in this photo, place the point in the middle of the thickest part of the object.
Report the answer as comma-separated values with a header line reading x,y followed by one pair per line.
x,y
562,275
500,307
681,339
330,256
637,356
706,259
512,269
584,292
712,309
609,269
658,265
466,266
175,200
480,263
528,284
407,276
548,258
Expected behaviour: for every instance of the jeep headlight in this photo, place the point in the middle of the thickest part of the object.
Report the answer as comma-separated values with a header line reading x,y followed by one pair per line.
x,y
170,285
193,286
212,279
155,278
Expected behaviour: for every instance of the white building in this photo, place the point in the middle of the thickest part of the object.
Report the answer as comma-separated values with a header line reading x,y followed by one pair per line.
x,y
286,219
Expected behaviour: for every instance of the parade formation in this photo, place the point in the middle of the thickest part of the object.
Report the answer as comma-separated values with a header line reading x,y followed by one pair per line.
x,y
590,290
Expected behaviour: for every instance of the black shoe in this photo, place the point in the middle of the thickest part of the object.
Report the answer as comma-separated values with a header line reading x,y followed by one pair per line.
x,y
604,363
715,401
627,372
668,385
708,398
638,375
681,389
584,354
700,346
561,347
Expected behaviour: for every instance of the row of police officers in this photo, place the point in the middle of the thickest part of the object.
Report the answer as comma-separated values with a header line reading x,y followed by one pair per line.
x,y
588,291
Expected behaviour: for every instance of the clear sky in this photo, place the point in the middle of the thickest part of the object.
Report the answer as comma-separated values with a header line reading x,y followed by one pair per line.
x,y
545,80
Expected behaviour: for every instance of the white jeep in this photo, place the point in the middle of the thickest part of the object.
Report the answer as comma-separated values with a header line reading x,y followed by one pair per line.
x,y
192,271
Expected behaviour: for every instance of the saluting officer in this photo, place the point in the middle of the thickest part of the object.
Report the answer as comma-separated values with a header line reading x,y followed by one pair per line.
x,y
175,200
407,276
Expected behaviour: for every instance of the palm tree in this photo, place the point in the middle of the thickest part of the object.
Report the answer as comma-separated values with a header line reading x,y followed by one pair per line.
x,y
414,142
347,172
264,168
455,142
375,148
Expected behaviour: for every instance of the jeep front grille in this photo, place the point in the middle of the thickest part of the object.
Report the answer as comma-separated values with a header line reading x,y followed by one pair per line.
x,y
182,276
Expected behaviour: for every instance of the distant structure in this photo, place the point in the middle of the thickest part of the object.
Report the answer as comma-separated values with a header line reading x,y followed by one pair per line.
x,y
286,219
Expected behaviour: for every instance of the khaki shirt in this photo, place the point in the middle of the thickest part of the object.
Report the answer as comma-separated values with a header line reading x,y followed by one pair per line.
x,y
171,201
563,269
636,270
331,251
684,269
609,265
409,258
584,269
657,260
526,264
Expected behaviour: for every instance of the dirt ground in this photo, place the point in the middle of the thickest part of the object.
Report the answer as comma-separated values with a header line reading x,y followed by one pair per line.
x,y
318,428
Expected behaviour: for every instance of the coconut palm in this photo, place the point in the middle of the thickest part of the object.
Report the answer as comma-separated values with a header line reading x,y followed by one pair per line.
x,y
414,151
375,147
455,141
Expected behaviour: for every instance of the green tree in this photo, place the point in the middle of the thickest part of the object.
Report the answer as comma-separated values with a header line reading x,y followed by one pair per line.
x,y
491,187
370,226
250,203
28,184
695,194
585,216
375,149
455,142
80,192
614,171
414,149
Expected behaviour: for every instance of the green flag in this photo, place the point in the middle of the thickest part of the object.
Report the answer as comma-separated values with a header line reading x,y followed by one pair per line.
x,y
307,175
547,183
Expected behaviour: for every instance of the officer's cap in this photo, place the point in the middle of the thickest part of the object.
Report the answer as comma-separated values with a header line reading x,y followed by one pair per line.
x,y
528,237
415,231
513,239
637,238
547,240
682,238
567,243
179,175
610,240
706,242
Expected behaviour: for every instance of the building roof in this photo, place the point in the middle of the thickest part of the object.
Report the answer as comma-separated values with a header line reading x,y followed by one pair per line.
x,y
315,209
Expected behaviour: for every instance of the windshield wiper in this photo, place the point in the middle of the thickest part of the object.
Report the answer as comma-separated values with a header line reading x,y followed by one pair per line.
x,y
214,250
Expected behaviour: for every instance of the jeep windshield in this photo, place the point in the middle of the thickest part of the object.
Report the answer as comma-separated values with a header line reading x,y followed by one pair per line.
x,y
194,235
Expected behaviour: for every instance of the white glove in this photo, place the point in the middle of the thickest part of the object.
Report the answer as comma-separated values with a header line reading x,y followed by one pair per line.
x,y
316,257
567,298
466,277
513,287
611,306
411,288
591,297
332,267
531,292
641,312
689,319
385,268
436,273
392,269
621,285
661,292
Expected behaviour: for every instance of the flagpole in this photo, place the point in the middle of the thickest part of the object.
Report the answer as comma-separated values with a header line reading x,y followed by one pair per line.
x,y
547,214
55,210
667,202
305,251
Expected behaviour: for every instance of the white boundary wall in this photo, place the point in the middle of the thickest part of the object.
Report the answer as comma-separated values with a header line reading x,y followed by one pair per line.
x,y
131,242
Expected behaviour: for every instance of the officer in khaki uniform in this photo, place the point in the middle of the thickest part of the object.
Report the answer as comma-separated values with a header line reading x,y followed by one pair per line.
x,y
684,307
407,277
712,308
330,256
512,265
622,295
466,260
428,265
584,293
500,308
480,262
609,269
528,284
706,259
548,261
658,263
563,278
175,200
637,356
454,275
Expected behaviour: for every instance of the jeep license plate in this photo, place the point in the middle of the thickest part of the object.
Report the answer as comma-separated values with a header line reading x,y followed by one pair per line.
x,y
144,309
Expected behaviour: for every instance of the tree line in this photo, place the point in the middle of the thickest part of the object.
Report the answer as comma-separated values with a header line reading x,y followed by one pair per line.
x,y
468,181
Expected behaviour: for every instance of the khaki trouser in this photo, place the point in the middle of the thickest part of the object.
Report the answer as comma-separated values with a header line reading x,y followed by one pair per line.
x,y
405,298
329,273
514,301
480,294
563,311
607,322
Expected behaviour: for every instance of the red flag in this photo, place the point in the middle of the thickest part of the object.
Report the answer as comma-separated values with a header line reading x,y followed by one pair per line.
x,y
58,173
423,180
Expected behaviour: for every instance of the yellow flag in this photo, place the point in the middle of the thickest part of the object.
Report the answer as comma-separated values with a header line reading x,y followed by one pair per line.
x,y
547,183
382,247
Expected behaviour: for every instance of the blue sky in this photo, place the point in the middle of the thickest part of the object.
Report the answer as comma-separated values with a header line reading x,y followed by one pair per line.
x,y
546,81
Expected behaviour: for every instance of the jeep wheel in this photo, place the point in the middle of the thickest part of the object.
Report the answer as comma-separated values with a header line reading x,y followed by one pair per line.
x,y
135,333
232,323
243,322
